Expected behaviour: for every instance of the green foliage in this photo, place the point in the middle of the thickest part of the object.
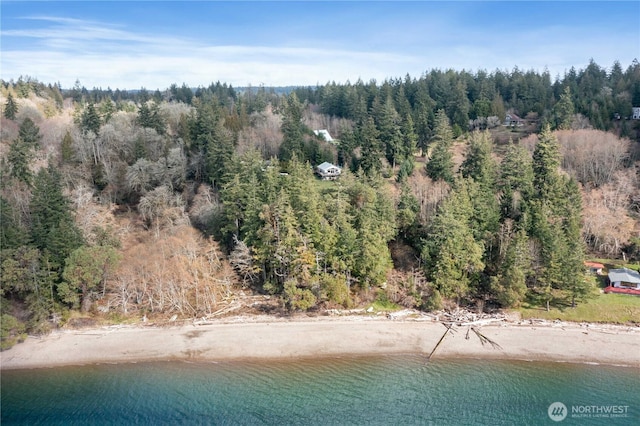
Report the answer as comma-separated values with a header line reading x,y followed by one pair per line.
x,y
292,130
382,302
106,110
564,111
90,120
150,117
52,229
85,270
389,128
29,277
546,161
433,302
12,331
556,209
22,272
67,153
479,164
305,238
10,108
12,234
510,285
371,147
297,298
335,289
516,181
19,158
452,256
407,212
440,166
29,133
406,169
296,232
219,148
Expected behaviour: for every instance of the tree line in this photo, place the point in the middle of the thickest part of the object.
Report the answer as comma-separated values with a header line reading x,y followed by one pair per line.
x,y
505,227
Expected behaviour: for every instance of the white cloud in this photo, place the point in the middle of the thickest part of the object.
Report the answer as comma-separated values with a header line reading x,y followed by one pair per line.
x,y
101,55
104,55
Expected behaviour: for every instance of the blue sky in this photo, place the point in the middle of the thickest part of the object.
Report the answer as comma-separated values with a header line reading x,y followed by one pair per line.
x,y
153,44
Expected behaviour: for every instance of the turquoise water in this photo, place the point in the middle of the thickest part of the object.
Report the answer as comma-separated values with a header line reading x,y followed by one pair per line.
x,y
394,390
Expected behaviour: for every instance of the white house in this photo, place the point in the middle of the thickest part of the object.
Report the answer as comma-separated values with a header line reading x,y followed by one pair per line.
x,y
625,278
328,171
325,134
635,113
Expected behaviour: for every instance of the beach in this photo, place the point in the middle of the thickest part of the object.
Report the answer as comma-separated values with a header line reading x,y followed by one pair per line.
x,y
262,338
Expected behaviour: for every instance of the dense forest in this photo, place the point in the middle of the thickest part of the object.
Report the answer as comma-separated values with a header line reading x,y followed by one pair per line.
x,y
121,203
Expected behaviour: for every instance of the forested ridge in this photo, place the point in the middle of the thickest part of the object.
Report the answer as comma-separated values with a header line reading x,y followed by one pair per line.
x,y
121,204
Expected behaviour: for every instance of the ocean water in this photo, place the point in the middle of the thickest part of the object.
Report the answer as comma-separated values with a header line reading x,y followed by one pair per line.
x,y
391,390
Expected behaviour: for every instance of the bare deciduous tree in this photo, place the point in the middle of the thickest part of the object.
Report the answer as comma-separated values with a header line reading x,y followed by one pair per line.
x,y
428,193
592,156
179,273
608,225
163,208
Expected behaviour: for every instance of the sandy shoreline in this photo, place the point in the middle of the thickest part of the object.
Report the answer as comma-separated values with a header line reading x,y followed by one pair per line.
x,y
263,338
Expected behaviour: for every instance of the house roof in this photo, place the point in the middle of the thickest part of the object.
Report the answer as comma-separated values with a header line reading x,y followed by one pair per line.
x,y
624,275
513,117
325,134
593,265
324,167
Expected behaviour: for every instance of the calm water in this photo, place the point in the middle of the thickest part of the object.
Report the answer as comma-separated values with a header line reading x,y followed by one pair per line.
x,y
398,390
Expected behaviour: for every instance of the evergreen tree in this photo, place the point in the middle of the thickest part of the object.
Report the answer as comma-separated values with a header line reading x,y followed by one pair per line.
x,y
453,258
278,242
219,148
90,120
25,275
53,229
575,283
551,249
510,285
292,130
410,138
564,110
242,199
307,204
389,131
407,213
374,222
340,216
371,148
67,153
479,164
346,147
19,158
150,117
440,166
556,212
86,269
423,117
546,161
516,181
29,133
10,108
12,234
107,109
